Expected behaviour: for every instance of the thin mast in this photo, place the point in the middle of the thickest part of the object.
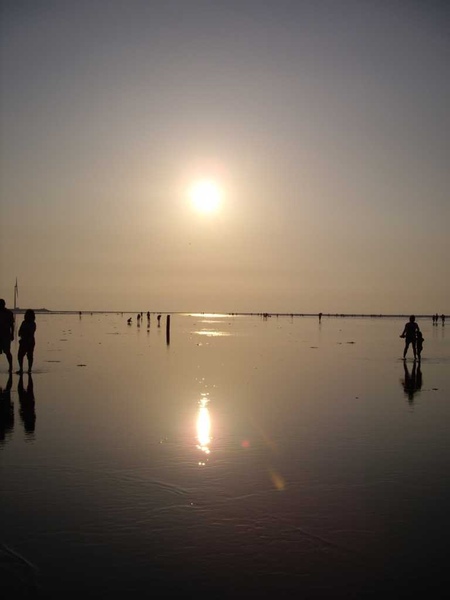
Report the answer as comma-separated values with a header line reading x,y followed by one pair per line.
x,y
16,294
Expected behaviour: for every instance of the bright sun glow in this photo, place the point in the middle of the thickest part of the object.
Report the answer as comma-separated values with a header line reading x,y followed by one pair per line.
x,y
203,427
206,196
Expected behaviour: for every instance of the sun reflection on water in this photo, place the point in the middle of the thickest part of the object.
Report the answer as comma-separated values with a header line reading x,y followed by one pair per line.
x,y
203,427
212,333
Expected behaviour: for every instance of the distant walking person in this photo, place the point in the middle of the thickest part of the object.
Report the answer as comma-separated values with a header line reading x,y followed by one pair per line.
x,y
443,319
6,331
419,343
410,334
27,341
320,317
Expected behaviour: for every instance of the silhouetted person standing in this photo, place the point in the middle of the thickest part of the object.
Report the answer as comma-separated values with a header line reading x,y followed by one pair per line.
x,y
320,317
6,331
443,319
27,342
410,334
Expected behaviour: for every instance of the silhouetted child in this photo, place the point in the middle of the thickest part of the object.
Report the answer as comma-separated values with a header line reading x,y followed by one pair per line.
x,y
419,343
27,341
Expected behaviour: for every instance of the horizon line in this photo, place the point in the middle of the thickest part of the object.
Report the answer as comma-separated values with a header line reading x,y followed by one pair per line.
x,y
231,313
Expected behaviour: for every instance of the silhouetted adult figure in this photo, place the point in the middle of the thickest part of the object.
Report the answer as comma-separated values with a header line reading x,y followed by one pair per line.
x,y
320,317
443,319
410,334
159,320
27,341
6,331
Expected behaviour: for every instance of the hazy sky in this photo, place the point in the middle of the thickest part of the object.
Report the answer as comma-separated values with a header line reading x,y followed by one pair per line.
x,y
325,124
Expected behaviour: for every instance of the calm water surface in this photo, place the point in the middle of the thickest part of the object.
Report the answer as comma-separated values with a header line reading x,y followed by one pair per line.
x,y
246,456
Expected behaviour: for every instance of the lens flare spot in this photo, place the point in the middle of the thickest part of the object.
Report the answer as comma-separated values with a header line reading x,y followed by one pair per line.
x,y
277,480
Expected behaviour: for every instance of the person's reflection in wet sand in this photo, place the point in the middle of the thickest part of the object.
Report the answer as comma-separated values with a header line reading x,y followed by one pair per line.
x,y
27,406
412,383
6,410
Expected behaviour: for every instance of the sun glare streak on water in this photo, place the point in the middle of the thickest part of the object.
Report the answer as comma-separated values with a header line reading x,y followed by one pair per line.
x,y
212,333
212,315
203,427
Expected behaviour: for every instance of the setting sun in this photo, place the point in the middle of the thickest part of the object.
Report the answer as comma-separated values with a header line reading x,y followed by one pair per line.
x,y
205,196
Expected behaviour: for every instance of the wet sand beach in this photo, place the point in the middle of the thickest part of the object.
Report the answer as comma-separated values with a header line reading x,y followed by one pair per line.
x,y
242,456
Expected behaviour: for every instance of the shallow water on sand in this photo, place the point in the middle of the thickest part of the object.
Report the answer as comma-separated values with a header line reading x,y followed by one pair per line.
x,y
241,456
